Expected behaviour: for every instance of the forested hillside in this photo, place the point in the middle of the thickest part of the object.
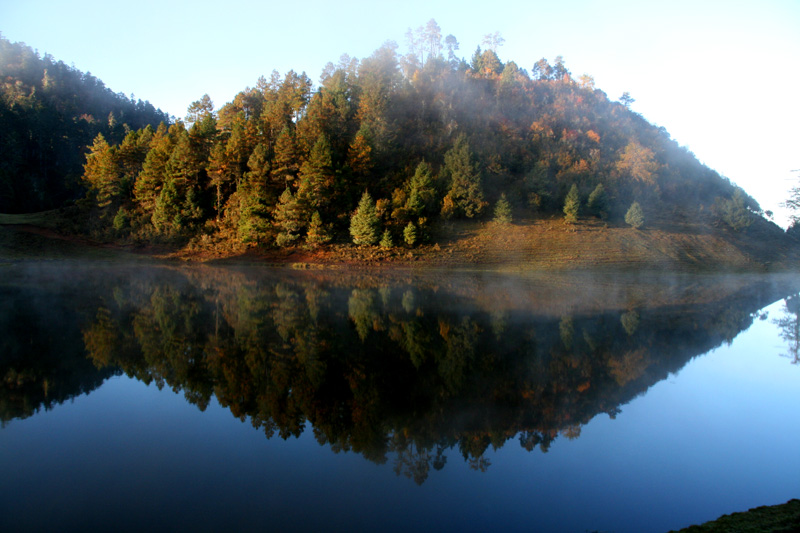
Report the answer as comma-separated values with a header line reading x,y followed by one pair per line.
x,y
49,113
383,150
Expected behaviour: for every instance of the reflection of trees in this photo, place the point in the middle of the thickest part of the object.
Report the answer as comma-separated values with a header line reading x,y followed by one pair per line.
x,y
42,357
789,326
391,372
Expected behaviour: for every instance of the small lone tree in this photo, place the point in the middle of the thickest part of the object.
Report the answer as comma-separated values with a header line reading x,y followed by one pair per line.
x,y
572,205
364,223
635,216
502,210
386,240
410,234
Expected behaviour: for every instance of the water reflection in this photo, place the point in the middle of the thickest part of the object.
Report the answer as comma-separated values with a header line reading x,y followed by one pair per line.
x,y
789,325
403,368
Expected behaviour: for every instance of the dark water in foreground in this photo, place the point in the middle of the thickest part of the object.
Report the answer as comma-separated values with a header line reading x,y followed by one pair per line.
x,y
222,399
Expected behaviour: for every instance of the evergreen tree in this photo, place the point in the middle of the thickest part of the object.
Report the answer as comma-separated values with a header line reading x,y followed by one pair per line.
x,y
166,217
252,208
572,205
410,234
386,240
465,197
101,174
288,218
597,202
635,216
151,178
317,175
317,232
359,155
421,198
502,211
364,223
285,167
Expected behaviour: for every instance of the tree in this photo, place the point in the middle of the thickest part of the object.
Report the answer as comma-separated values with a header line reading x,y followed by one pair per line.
x,y
288,218
635,216
626,99
572,205
254,198
493,41
597,202
386,240
502,211
421,199
317,232
101,174
410,234
199,109
793,205
789,326
317,176
465,197
425,39
637,163
285,166
451,43
151,178
364,223
733,211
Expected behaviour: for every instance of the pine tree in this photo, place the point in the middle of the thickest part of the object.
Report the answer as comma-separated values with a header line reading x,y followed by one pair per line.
x,y
101,173
572,205
287,217
317,175
421,198
317,232
597,202
465,197
364,223
285,167
410,234
386,240
502,211
635,216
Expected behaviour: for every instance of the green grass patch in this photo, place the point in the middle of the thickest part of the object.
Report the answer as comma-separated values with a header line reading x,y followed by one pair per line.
x,y
53,219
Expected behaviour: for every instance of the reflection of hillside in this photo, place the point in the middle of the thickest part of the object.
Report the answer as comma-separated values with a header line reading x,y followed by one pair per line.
x,y
403,365
42,359
411,368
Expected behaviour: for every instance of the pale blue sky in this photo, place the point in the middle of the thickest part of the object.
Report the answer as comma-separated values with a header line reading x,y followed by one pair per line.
x,y
721,76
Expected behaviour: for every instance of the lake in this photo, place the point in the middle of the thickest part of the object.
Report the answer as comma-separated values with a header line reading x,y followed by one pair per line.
x,y
234,398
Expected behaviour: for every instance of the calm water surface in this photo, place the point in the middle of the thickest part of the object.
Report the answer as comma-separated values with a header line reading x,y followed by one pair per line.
x,y
234,399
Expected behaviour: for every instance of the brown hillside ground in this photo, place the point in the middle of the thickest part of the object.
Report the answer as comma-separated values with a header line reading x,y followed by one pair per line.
x,y
549,244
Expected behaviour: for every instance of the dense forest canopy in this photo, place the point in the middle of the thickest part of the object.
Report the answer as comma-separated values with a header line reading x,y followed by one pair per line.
x,y
384,146
49,113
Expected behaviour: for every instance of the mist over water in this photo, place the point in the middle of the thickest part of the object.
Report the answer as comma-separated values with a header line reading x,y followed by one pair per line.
x,y
261,399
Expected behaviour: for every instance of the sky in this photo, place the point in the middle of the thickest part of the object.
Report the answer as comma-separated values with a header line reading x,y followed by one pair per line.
x,y
722,77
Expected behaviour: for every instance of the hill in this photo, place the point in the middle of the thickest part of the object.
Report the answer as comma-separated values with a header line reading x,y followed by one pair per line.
x,y
394,151
49,113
